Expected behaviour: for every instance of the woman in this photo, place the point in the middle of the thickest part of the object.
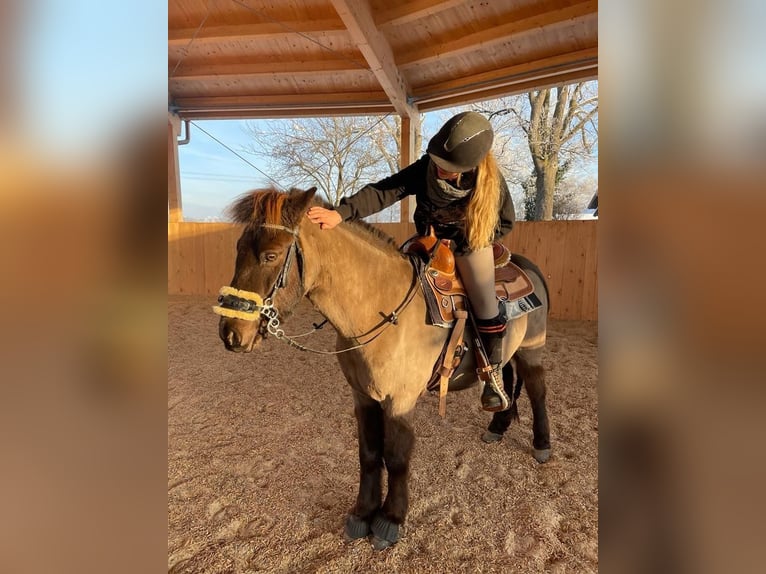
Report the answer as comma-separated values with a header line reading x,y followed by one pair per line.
x,y
462,195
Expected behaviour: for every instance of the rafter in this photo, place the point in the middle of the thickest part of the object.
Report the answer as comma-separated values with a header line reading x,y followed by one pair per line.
x,y
283,105
582,60
182,36
496,34
461,98
190,71
281,113
357,17
414,10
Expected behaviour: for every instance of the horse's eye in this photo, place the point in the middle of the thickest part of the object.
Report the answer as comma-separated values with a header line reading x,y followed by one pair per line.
x,y
269,257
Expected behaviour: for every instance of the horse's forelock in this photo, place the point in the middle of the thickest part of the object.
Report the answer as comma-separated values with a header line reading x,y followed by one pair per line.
x,y
258,205
241,211
270,204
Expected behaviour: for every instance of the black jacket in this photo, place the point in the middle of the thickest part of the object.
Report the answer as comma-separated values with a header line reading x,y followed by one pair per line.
x,y
413,180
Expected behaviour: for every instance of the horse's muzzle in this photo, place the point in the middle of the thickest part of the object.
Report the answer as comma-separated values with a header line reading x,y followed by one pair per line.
x,y
235,339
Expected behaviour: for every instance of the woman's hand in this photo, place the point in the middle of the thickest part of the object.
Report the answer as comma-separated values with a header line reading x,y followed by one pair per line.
x,y
326,218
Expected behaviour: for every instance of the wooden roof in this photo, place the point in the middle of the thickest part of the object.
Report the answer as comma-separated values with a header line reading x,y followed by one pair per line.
x,y
282,58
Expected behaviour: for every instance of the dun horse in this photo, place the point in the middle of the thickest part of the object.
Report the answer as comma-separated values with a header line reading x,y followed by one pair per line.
x,y
367,289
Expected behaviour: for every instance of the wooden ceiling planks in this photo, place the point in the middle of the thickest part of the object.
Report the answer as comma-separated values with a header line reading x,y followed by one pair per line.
x,y
370,56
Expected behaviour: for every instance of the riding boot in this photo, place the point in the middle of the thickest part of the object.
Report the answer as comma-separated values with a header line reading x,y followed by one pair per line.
x,y
493,395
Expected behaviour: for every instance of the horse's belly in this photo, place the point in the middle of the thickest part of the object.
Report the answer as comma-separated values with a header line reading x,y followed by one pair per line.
x,y
465,374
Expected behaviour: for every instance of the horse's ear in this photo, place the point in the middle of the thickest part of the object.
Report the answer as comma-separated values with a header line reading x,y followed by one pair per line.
x,y
303,201
299,203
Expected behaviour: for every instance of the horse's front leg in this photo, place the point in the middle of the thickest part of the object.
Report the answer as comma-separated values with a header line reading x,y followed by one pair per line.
x,y
398,444
369,420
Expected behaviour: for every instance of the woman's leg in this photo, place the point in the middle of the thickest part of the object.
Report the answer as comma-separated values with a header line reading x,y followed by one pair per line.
x,y
477,270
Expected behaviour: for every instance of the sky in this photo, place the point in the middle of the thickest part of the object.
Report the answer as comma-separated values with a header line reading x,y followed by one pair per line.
x,y
212,176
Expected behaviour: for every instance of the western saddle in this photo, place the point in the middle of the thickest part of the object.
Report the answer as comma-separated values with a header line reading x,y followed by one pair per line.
x,y
447,301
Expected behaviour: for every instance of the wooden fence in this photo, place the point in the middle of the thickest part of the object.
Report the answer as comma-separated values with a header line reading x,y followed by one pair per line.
x,y
201,259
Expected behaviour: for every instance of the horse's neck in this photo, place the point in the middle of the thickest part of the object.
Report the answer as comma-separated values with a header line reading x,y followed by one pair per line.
x,y
353,279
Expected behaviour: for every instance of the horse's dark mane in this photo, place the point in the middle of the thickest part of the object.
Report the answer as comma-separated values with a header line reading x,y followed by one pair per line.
x,y
366,231
268,204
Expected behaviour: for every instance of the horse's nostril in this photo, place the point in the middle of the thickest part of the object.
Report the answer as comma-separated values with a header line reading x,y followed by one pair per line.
x,y
228,336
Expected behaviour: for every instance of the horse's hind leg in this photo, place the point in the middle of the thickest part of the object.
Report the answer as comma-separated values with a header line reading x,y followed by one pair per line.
x,y
502,420
398,444
369,420
529,364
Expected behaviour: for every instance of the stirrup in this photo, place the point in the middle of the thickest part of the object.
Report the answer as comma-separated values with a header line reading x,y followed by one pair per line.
x,y
492,391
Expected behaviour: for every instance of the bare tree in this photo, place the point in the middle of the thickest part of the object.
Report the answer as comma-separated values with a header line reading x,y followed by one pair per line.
x,y
560,126
551,129
337,154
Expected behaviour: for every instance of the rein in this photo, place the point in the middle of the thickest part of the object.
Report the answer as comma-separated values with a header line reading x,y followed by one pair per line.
x,y
391,319
242,303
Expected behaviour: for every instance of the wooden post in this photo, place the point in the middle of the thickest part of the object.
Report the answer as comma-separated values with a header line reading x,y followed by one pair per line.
x,y
175,209
408,150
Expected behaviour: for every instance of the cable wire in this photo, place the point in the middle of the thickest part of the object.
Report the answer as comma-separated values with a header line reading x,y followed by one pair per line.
x,y
211,136
191,40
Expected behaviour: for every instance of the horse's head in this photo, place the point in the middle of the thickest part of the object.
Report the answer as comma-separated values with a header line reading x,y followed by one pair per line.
x,y
268,267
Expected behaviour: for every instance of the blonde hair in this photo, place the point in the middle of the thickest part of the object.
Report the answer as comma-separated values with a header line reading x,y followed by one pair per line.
x,y
483,210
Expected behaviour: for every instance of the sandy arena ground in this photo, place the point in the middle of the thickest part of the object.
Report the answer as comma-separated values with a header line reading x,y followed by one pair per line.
x,y
262,463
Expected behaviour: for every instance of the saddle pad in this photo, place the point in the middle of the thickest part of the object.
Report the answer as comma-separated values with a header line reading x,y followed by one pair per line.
x,y
519,307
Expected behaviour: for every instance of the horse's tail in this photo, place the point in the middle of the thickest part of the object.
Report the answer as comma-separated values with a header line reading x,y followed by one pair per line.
x,y
527,265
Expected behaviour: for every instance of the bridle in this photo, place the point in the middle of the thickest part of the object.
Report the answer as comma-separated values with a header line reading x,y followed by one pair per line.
x,y
250,306
293,253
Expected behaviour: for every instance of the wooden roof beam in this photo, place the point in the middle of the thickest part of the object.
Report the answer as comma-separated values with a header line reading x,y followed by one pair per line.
x,y
271,113
329,99
525,72
357,17
191,71
182,36
283,105
497,34
414,10
459,99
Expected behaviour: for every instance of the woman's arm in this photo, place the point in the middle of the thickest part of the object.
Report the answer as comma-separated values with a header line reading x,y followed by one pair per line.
x,y
374,197
377,196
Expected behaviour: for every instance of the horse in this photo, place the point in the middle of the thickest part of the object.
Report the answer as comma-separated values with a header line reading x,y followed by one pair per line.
x,y
358,278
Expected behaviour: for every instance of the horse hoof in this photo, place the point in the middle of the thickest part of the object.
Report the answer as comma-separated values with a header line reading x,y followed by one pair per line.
x,y
356,528
384,532
380,544
490,437
541,455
